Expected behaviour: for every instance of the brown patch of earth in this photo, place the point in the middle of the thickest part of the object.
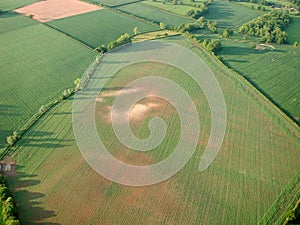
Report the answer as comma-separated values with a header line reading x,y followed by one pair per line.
x,y
45,11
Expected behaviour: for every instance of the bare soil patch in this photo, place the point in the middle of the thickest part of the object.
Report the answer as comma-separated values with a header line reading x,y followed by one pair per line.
x,y
8,167
45,11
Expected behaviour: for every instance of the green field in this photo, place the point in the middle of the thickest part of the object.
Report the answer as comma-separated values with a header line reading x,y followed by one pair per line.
x,y
170,7
269,71
97,27
113,2
6,5
36,65
150,13
54,182
293,30
12,21
229,14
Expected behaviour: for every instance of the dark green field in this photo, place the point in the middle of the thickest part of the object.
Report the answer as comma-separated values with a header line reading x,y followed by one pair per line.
x,y
229,14
96,28
153,14
13,4
293,30
33,69
275,73
113,2
12,21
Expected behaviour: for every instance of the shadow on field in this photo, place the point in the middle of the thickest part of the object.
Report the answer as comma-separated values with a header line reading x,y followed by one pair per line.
x,y
43,139
28,203
7,14
219,10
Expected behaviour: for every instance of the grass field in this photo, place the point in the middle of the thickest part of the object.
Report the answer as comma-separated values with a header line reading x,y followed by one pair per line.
x,y
170,7
12,21
54,183
6,5
96,28
33,70
293,30
229,14
276,73
153,14
113,2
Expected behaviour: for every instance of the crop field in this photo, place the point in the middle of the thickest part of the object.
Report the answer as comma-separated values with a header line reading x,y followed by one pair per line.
x,y
96,28
150,13
229,14
170,7
6,5
33,70
12,21
293,30
269,71
54,182
113,2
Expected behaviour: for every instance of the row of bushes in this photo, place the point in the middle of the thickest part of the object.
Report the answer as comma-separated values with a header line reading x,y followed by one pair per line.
x,y
9,210
123,39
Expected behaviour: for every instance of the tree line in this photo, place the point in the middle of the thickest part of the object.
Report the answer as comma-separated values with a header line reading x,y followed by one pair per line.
x,y
9,210
268,27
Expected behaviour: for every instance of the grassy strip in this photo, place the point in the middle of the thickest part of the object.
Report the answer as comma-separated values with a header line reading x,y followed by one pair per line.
x,y
276,214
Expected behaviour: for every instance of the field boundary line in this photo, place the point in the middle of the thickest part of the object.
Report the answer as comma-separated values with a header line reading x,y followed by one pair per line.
x,y
67,35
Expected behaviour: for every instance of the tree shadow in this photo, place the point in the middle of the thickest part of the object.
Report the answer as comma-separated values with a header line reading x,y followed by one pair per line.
x,y
43,139
28,203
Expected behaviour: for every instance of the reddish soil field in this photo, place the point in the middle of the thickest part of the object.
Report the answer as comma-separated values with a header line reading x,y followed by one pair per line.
x,y
48,10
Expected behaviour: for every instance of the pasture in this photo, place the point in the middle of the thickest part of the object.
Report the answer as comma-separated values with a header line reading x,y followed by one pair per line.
x,y
154,14
96,28
6,5
293,30
33,70
230,14
275,73
54,183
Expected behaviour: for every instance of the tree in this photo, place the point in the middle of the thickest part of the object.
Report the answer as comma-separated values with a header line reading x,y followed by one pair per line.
x,y
10,140
136,31
4,193
226,33
42,110
162,25
77,83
